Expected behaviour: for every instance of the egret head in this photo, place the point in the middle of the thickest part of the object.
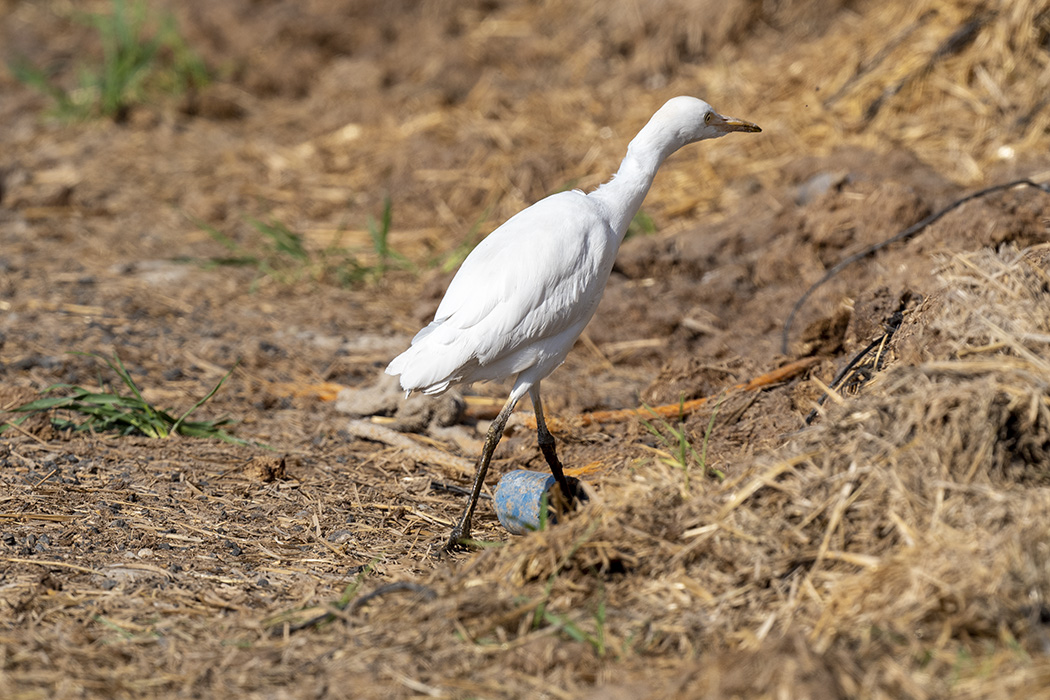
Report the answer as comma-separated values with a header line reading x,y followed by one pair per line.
x,y
689,119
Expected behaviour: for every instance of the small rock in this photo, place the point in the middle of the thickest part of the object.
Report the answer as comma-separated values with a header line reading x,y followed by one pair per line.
x,y
379,399
412,415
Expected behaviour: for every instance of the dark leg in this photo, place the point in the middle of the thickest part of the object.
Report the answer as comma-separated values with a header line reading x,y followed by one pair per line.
x,y
462,529
546,441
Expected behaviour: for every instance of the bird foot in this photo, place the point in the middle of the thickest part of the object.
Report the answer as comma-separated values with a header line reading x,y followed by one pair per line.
x,y
563,502
458,539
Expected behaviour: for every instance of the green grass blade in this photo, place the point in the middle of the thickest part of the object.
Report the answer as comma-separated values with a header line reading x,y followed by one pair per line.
x,y
175,427
544,514
599,623
44,404
284,239
541,610
707,436
153,424
383,240
218,236
102,410
13,423
641,225
380,234
36,78
211,431
469,242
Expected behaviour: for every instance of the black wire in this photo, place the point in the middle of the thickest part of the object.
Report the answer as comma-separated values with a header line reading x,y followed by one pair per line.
x,y
903,235
845,370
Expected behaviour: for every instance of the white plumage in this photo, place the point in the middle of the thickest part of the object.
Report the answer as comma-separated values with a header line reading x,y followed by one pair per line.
x,y
519,301
525,293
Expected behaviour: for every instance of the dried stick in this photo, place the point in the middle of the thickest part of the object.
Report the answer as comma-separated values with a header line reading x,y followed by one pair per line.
x,y
675,409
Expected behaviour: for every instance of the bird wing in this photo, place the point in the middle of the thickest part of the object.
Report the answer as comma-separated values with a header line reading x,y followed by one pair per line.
x,y
532,273
540,273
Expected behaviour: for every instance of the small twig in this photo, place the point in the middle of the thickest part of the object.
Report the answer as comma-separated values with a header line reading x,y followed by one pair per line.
x,y
737,413
411,449
47,517
45,478
57,564
868,65
879,345
956,42
674,410
25,432
902,236
452,488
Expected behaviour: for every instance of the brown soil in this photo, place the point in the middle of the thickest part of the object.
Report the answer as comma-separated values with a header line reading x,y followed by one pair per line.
x,y
895,548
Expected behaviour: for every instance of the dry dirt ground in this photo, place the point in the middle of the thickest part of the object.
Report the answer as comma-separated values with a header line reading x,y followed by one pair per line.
x,y
897,547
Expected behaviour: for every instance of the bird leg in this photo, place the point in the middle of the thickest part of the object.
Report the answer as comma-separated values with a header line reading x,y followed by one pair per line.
x,y
462,529
546,441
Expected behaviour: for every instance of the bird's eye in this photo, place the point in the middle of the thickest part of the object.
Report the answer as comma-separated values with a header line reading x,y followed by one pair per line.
x,y
707,118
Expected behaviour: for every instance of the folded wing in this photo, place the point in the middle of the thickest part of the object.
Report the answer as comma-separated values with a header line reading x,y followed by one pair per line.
x,y
517,293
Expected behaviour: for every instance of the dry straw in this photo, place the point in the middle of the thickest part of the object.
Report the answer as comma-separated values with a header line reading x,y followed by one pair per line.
x,y
901,533
898,548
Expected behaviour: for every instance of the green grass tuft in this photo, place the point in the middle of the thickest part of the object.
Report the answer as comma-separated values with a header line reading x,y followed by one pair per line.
x,y
542,615
142,56
280,254
682,453
380,233
100,411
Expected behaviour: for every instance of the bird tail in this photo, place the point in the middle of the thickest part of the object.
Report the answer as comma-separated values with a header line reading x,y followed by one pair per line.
x,y
420,366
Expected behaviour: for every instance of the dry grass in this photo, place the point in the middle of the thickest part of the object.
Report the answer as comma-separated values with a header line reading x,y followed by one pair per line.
x,y
901,541
887,75
896,549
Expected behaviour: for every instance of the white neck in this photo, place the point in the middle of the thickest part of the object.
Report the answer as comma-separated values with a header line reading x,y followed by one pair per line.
x,y
622,196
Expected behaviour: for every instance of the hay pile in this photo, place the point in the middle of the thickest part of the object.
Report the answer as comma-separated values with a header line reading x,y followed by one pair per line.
x,y
874,554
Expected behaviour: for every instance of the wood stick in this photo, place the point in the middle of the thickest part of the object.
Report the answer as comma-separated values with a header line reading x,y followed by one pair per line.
x,y
671,410
407,446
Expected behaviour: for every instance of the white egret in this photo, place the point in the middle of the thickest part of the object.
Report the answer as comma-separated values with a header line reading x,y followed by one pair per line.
x,y
525,293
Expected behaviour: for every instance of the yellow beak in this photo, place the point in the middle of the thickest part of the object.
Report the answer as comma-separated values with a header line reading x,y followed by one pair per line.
x,y
731,124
